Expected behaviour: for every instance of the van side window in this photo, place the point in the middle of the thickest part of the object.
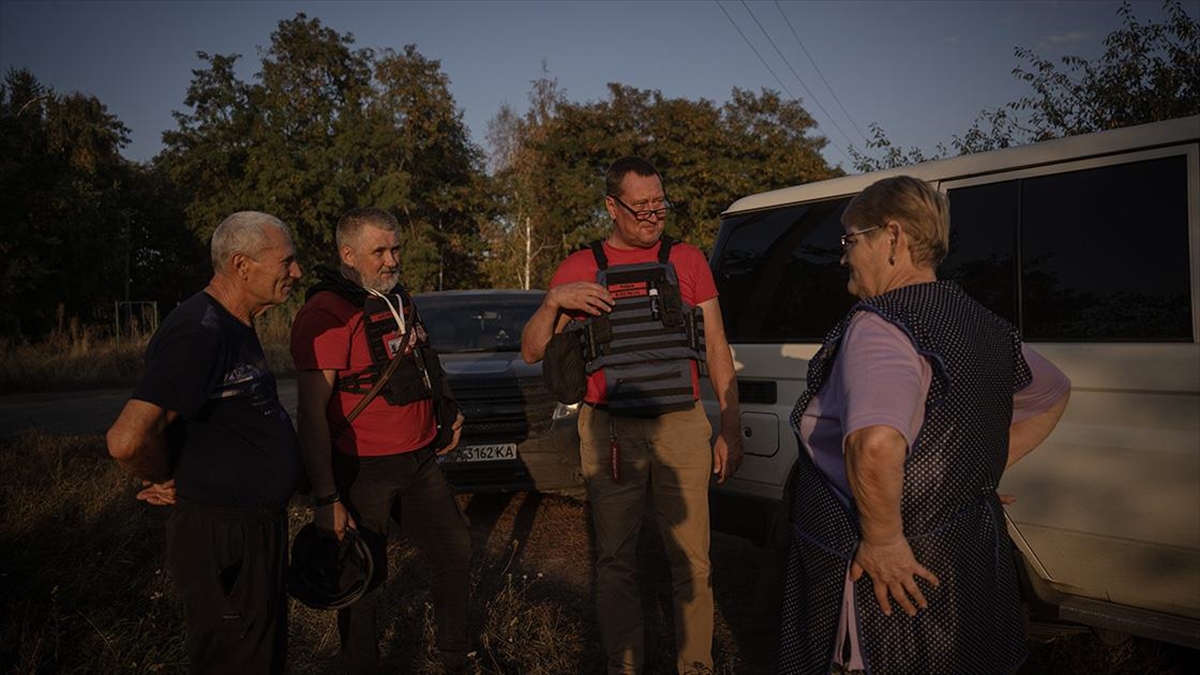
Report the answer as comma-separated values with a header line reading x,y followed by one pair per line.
x,y
779,274
1105,254
1097,255
983,239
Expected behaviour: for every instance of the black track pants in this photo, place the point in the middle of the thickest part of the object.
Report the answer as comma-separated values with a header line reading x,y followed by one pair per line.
x,y
228,568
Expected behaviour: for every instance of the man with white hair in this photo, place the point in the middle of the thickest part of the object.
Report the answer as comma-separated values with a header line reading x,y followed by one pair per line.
x,y
204,430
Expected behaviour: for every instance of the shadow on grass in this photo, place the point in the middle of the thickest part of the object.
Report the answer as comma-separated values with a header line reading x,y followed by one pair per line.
x,y
85,589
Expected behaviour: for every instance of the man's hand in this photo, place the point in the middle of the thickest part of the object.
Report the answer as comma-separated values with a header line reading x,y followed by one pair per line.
x,y
583,296
334,518
457,429
892,567
727,454
158,494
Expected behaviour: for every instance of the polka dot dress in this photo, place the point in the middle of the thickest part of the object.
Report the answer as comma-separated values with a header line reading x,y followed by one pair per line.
x,y
952,517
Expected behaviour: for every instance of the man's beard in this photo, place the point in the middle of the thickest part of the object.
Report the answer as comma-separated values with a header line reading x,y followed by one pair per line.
x,y
375,282
380,283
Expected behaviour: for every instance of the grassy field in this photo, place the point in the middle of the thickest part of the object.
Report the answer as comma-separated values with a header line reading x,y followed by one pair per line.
x,y
74,356
86,590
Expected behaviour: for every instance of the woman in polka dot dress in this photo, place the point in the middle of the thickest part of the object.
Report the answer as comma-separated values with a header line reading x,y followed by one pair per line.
x,y
916,403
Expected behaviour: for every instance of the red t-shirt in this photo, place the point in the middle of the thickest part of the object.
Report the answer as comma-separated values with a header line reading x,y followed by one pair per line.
x,y
328,334
696,285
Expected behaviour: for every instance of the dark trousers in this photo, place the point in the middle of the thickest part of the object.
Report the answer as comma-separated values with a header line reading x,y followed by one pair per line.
x,y
228,567
410,489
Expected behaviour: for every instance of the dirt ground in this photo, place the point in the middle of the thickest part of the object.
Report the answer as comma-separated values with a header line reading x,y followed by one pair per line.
x,y
550,536
544,542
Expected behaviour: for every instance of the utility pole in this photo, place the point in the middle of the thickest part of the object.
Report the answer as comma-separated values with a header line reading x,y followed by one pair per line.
x,y
126,214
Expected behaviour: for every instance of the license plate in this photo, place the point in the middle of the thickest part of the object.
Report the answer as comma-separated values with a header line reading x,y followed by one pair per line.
x,y
483,453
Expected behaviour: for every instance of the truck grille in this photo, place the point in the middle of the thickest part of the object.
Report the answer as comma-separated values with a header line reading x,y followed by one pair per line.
x,y
501,410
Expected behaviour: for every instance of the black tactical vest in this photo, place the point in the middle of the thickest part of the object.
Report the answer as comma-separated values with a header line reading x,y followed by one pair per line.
x,y
646,345
418,375
952,516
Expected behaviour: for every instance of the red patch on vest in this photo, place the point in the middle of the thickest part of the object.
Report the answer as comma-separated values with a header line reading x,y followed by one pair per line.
x,y
633,289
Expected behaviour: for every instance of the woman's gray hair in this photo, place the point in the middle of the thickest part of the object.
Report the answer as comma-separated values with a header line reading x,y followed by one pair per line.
x,y
243,232
918,206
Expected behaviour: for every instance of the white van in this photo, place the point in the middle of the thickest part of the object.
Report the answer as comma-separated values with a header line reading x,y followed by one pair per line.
x,y
1091,246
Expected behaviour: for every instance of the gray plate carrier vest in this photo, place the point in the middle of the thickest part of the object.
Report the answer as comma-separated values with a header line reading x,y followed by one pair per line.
x,y
648,341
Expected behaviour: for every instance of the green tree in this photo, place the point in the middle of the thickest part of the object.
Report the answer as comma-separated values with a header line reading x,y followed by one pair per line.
x,y
434,181
1148,73
709,156
210,149
60,200
83,226
329,127
523,240
313,86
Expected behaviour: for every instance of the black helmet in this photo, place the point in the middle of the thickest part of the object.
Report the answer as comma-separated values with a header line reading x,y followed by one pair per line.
x,y
328,574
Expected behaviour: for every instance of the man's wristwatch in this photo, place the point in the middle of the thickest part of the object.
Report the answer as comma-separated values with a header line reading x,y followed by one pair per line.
x,y
327,500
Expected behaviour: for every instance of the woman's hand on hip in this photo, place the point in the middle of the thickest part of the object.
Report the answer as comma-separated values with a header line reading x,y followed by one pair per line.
x,y
893,571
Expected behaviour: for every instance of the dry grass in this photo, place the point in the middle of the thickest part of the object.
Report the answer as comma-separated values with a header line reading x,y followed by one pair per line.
x,y
75,356
86,589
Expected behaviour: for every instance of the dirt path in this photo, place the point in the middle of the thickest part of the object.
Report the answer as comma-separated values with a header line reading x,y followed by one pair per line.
x,y
83,412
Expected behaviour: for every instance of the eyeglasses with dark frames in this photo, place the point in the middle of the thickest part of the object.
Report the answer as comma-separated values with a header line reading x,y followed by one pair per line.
x,y
644,215
850,238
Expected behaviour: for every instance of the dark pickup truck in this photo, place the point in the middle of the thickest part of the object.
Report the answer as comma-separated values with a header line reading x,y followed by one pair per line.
x,y
516,437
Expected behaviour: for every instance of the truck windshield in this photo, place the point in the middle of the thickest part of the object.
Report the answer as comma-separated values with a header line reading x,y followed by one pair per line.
x,y
483,322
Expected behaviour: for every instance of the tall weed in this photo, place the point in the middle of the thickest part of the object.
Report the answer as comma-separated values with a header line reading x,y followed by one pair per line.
x,y
77,356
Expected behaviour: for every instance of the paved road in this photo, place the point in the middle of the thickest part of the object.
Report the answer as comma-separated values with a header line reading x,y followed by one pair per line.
x,y
83,412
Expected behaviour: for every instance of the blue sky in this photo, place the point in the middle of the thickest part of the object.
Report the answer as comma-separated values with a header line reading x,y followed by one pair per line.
x,y
920,69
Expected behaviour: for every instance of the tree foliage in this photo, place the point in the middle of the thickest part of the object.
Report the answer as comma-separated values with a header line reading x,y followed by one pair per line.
x,y
83,227
328,127
1148,72
551,162
522,244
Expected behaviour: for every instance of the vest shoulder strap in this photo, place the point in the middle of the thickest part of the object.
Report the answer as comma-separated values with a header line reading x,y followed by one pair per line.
x,y
598,253
664,251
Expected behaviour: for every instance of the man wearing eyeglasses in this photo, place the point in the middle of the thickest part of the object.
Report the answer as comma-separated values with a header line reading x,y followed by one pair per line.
x,y
648,308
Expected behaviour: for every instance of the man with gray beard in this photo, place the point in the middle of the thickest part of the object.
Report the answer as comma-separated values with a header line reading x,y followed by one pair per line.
x,y
382,464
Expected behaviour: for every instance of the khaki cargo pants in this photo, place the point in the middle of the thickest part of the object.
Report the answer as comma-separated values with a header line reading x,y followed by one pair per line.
x,y
668,459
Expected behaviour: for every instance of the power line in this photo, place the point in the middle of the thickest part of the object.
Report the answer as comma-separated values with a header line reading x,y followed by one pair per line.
x,y
814,65
753,49
772,71
811,95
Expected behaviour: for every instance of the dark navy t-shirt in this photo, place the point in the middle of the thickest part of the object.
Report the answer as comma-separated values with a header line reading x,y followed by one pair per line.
x,y
233,444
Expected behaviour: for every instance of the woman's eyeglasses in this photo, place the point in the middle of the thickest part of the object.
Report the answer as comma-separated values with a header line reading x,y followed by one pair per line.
x,y
849,238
